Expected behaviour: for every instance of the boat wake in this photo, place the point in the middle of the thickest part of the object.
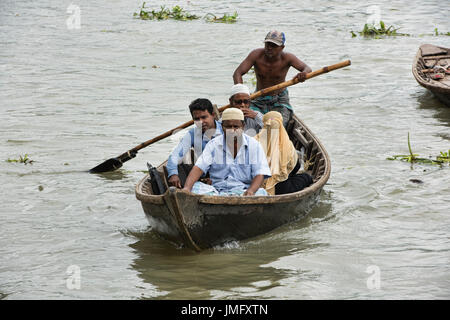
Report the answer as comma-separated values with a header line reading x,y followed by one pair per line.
x,y
231,245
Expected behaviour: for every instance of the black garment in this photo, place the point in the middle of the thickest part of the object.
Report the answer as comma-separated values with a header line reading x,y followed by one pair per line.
x,y
294,183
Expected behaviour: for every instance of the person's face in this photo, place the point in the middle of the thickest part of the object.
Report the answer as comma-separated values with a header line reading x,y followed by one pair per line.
x,y
232,128
203,119
272,50
240,100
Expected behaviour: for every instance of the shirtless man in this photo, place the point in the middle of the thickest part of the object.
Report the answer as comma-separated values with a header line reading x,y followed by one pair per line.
x,y
271,67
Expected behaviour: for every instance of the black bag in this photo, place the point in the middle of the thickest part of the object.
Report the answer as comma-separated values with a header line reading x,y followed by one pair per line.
x,y
183,172
155,180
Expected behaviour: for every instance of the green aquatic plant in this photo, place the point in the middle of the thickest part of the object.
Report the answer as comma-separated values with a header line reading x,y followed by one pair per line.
x,y
226,18
437,33
177,13
22,159
370,30
444,157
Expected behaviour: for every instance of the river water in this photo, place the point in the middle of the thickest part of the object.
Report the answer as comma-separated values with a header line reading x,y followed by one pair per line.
x,y
73,95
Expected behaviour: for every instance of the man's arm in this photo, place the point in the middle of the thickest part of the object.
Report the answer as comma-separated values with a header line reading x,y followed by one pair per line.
x,y
260,168
192,178
259,119
300,66
253,121
244,67
175,158
254,186
201,166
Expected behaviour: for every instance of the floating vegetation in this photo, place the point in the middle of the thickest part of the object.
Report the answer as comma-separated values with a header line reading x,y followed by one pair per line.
x,y
437,33
444,157
226,18
177,13
370,30
22,159
145,67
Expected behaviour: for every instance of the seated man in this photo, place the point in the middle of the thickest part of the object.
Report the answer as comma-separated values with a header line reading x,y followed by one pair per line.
x,y
282,157
236,162
240,98
206,128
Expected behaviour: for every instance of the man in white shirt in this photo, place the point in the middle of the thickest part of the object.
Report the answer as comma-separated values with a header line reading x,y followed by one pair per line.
x,y
236,162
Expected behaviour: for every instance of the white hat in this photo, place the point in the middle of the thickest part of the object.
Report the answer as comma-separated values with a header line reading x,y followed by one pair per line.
x,y
239,88
233,114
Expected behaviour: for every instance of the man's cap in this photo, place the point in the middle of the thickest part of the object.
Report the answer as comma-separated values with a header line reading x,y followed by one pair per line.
x,y
275,37
239,88
232,114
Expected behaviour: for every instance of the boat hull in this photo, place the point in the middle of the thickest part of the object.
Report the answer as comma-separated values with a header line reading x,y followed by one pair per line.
x,y
427,57
213,224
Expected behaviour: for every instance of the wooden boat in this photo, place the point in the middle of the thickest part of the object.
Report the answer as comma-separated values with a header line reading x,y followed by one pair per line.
x,y
201,221
430,64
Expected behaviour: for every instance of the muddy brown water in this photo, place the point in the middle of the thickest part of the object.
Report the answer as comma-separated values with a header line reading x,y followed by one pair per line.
x,y
72,98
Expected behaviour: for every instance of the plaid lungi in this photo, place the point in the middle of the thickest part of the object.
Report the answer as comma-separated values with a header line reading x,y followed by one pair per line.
x,y
279,102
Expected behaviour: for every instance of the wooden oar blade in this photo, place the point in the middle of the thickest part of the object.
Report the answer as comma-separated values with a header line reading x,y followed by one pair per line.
x,y
109,165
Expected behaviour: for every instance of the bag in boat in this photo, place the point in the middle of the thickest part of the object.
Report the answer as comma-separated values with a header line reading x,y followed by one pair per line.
x,y
155,180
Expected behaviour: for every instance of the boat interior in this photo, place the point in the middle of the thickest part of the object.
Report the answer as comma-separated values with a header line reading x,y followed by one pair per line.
x,y
308,150
434,64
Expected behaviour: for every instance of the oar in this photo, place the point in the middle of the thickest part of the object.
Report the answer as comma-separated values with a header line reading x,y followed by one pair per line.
x,y
117,162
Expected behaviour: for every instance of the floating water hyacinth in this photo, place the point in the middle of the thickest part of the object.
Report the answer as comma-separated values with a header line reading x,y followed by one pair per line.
x,y
437,33
370,30
444,157
22,159
177,13
226,18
